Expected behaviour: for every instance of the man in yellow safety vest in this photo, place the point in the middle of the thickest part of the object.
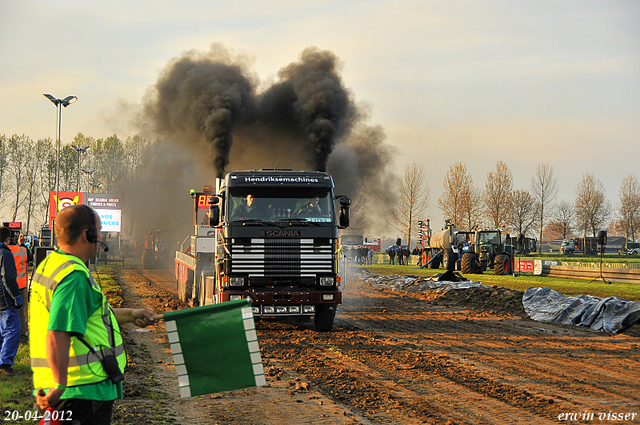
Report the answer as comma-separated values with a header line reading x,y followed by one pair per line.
x,y
77,352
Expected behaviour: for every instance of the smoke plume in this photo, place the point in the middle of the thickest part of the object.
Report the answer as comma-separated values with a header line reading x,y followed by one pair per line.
x,y
207,103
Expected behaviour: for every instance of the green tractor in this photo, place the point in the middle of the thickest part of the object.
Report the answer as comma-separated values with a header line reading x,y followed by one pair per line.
x,y
157,253
486,249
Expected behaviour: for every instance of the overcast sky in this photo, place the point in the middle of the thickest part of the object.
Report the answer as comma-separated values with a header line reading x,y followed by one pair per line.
x,y
524,82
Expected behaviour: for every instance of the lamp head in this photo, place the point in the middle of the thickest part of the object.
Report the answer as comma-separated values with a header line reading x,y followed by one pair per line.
x,y
52,99
68,100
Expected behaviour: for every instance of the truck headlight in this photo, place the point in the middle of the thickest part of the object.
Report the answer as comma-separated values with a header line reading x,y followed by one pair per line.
x,y
235,297
327,297
236,281
309,309
326,281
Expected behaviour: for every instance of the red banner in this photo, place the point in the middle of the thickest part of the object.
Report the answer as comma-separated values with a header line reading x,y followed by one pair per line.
x,y
524,266
63,200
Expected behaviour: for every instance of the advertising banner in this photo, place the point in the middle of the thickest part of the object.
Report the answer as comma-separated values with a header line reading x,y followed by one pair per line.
x,y
62,199
111,220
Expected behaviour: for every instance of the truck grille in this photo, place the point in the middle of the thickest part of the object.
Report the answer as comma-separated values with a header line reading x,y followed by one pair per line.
x,y
281,258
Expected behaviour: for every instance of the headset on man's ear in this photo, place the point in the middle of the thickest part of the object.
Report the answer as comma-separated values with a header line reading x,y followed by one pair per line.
x,y
92,232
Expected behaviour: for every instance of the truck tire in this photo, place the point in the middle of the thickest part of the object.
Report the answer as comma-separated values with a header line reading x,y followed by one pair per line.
x,y
148,260
323,319
435,262
450,259
468,263
502,265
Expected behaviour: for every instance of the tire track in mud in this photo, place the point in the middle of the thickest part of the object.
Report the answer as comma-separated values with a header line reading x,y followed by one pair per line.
x,y
551,372
395,377
394,358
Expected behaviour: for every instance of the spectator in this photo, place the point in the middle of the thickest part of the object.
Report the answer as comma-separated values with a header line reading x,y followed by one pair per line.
x,y
392,255
10,304
22,256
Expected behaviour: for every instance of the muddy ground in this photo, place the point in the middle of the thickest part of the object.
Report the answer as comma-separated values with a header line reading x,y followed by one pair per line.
x,y
470,357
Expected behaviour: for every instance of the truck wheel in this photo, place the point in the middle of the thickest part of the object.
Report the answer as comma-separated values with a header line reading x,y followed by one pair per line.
x,y
435,262
324,317
468,263
148,260
450,259
502,266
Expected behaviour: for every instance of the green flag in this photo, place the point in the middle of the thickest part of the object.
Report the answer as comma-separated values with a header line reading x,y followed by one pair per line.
x,y
215,348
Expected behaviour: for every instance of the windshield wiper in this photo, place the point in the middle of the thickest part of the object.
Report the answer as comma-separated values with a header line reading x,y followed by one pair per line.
x,y
251,221
298,220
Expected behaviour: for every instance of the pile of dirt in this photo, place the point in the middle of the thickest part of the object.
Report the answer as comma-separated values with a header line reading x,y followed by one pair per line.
x,y
496,299
474,297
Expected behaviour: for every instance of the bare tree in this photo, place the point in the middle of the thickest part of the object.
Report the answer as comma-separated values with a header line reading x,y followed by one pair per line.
x,y
474,211
456,202
110,158
359,205
413,200
4,161
48,180
498,195
19,148
544,188
563,216
629,211
523,214
592,208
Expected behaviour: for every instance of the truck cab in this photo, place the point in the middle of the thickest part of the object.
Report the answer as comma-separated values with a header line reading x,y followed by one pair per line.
x,y
272,237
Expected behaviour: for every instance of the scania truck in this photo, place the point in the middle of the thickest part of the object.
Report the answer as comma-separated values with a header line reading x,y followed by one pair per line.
x,y
270,236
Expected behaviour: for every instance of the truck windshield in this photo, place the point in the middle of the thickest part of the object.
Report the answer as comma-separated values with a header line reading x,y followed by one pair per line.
x,y
269,204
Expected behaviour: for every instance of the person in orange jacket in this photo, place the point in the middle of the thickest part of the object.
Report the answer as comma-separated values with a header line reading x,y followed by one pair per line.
x,y
22,256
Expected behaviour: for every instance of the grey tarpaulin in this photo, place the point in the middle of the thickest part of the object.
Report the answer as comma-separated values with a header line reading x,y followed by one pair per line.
x,y
611,314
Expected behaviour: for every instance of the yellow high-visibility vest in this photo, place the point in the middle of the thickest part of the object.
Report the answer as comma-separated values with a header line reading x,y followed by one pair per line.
x,y
102,334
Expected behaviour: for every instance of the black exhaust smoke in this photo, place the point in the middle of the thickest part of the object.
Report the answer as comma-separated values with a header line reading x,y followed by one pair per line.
x,y
198,99
208,101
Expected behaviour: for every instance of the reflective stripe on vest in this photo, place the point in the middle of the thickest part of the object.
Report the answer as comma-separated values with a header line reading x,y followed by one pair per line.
x,y
20,257
102,331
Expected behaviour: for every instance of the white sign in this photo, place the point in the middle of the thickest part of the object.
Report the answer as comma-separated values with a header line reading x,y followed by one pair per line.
x,y
111,220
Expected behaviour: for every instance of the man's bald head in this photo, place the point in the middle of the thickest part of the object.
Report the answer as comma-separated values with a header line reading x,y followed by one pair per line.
x,y
72,221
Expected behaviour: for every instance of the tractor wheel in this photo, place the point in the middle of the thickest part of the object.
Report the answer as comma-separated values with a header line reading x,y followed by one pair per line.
x,y
468,263
148,259
435,264
502,265
450,259
324,317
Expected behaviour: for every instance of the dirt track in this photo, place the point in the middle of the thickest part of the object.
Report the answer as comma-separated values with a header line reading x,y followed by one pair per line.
x,y
394,358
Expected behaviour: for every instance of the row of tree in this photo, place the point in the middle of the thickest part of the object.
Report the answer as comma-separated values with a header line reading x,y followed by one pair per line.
x,y
29,170
531,212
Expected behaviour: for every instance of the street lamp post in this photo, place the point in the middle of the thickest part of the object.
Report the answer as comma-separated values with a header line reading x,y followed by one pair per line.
x,y
80,151
89,173
58,103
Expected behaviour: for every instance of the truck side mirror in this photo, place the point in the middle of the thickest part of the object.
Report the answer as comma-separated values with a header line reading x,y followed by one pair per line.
x,y
345,204
214,211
